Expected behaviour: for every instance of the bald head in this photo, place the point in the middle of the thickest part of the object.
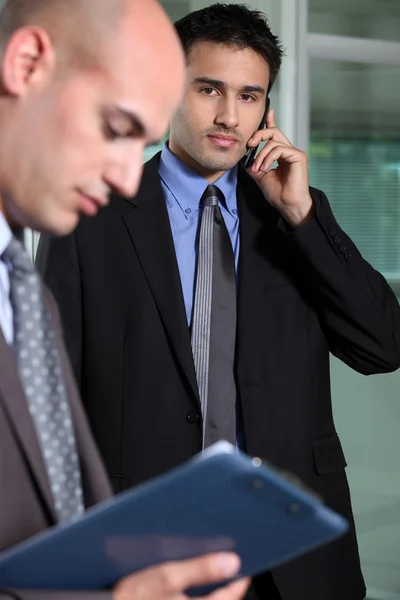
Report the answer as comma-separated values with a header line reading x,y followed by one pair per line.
x,y
68,136
76,27
83,30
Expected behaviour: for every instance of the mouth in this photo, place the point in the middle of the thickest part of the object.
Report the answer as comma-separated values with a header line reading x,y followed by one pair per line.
x,y
89,205
223,141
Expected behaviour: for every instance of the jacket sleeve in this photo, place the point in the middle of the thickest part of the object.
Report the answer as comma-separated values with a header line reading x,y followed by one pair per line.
x,y
57,262
357,308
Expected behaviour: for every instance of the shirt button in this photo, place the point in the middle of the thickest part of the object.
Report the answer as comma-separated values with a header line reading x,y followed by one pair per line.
x,y
192,417
234,212
188,211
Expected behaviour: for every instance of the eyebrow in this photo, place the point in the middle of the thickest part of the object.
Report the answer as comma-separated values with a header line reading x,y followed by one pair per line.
x,y
257,89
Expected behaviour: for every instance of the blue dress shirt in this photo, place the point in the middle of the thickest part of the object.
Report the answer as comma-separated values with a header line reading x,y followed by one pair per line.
x,y
183,189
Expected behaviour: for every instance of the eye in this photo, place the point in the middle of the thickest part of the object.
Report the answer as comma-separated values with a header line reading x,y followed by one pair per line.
x,y
110,133
113,133
248,98
209,91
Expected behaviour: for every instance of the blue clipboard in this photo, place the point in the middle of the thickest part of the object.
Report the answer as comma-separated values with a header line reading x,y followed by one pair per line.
x,y
221,500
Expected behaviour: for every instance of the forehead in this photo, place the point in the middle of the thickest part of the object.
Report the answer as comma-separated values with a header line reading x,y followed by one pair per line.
x,y
236,66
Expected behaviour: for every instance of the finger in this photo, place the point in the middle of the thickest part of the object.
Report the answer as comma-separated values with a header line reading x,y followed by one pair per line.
x,y
281,154
169,580
176,577
264,153
271,118
270,133
263,135
266,165
234,591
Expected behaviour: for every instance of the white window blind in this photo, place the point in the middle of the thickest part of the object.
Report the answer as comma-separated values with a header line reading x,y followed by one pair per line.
x,y
361,178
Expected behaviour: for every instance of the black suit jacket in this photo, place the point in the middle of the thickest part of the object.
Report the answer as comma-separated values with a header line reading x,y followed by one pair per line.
x,y
302,294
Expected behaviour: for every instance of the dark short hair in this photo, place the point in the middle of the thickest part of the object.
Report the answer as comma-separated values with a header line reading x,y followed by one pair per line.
x,y
233,25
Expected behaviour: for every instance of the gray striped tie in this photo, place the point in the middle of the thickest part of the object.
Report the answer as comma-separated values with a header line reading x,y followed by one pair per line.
x,y
41,377
214,323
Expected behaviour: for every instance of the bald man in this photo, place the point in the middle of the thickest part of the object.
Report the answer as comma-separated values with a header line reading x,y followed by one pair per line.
x,y
85,85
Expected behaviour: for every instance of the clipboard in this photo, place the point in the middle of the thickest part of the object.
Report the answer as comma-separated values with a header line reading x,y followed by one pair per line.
x,y
222,500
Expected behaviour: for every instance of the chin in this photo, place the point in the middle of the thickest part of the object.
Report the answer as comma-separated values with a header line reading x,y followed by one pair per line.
x,y
61,224
216,167
220,163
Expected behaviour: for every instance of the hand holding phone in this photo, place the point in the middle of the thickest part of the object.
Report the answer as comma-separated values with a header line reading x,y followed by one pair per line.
x,y
251,153
286,186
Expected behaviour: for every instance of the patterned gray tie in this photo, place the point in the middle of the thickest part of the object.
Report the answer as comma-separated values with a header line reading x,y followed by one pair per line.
x,y
214,323
40,373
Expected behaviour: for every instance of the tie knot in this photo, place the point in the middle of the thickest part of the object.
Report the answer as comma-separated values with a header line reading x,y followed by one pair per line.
x,y
16,254
211,196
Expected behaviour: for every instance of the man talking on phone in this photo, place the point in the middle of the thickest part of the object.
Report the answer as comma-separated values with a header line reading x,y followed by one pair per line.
x,y
206,307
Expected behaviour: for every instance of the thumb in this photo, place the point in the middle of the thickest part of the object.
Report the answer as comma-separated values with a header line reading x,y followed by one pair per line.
x,y
170,579
203,570
234,591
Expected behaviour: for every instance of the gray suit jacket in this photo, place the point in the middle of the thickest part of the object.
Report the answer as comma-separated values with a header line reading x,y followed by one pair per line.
x,y
25,496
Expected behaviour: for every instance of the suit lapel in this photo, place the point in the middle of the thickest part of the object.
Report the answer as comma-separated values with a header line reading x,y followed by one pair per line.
x,y
16,408
150,231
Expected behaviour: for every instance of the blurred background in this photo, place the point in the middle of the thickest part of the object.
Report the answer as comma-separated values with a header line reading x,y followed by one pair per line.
x,y
338,98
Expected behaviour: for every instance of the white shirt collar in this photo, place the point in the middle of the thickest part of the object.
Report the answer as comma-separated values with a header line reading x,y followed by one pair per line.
x,y
5,233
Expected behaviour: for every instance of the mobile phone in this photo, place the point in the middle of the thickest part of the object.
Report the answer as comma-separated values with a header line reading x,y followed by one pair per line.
x,y
250,155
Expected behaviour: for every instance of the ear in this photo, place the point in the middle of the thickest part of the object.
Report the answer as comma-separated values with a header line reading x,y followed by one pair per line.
x,y
28,60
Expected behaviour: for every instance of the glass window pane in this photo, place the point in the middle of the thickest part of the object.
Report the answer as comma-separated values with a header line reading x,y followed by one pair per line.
x,y
355,158
374,19
355,155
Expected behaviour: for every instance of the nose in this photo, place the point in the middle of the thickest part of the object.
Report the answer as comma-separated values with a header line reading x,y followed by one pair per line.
x,y
123,174
228,115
